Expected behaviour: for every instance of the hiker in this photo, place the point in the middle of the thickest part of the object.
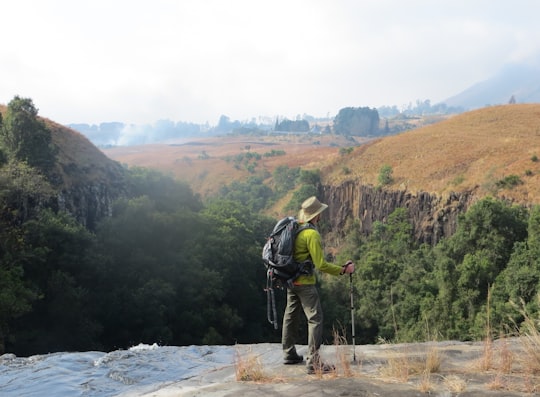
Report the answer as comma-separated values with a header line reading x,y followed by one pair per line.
x,y
303,296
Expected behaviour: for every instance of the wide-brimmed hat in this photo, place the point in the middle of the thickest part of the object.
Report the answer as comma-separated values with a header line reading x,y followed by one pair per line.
x,y
310,209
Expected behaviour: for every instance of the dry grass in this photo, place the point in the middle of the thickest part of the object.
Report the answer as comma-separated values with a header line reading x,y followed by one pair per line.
x,y
513,373
402,365
469,151
531,358
531,345
506,357
207,174
454,383
498,383
248,368
343,355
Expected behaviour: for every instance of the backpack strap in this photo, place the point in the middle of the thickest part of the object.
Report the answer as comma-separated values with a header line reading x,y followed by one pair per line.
x,y
306,267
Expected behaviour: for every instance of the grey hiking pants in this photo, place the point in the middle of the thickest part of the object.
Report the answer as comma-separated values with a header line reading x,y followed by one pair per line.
x,y
302,299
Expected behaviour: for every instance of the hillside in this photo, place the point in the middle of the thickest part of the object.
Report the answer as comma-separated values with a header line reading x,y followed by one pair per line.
x,y
473,151
78,160
84,179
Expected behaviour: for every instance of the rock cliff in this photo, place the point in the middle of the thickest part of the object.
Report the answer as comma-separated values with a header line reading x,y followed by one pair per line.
x,y
88,202
85,180
432,217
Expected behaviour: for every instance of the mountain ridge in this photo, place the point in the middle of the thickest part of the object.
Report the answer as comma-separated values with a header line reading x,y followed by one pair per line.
x,y
518,82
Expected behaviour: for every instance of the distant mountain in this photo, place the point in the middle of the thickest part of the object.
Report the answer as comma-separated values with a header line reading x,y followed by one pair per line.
x,y
522,82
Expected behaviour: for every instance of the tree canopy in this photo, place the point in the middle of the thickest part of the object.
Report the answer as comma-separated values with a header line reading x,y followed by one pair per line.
x,y
25,137
361,121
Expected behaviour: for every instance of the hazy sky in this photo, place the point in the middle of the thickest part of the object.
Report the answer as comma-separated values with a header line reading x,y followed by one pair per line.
x,y
134,61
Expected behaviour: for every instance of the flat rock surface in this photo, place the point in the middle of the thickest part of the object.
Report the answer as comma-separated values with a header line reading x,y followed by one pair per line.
x,y
499,368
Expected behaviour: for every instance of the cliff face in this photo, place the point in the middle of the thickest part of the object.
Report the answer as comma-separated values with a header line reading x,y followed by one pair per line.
x,y
432,217
88,203
86,181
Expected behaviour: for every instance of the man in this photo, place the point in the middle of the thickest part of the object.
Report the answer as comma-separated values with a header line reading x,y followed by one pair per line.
x,y
303,295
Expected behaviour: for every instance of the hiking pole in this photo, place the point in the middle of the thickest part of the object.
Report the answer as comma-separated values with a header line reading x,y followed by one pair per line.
x,y
271,301
352,317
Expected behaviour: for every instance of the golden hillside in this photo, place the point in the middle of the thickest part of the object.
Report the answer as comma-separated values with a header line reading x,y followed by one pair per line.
x,y
471,151
79,162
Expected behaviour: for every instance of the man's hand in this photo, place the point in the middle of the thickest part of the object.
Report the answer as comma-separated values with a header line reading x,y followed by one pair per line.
x,y
348,268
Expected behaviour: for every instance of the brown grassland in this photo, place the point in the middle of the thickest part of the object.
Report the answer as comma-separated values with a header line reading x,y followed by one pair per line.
x,y
208,163
471,151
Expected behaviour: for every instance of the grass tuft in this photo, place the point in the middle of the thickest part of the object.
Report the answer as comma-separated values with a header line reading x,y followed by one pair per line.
x,y
248,368
343,358
455,383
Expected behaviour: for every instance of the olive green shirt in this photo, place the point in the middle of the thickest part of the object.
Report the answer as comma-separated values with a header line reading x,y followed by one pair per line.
x,y
308,244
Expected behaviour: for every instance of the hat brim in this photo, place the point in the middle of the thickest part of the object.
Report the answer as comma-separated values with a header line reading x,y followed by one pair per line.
x,y
304,218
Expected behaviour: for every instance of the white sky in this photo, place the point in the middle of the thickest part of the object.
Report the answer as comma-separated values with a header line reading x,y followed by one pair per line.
x,y
135,61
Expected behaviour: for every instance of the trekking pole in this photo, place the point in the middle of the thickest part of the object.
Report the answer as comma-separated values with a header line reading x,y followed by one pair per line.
x,y
352,317
271,301
274,313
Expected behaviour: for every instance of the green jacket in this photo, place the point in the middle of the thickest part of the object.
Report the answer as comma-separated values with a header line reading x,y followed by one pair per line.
x,y
308,244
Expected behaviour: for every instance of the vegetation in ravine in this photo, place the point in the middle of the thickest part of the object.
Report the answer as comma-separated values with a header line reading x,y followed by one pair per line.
x,y
167,267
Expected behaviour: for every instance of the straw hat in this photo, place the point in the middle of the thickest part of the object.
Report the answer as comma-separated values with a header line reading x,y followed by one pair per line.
x,y
310,209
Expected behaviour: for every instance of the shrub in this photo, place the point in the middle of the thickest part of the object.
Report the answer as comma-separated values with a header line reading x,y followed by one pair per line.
x,y
509,182
385,175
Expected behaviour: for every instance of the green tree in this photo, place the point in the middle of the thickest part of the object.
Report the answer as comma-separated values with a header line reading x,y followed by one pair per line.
x,y
469,262
23,190
16,296
234,249
520,280
385,175
178,275
413,294
381,261
253,193
166,192
299,195
285,178
357,121
59,268
151,271
310,177
292,126
25,136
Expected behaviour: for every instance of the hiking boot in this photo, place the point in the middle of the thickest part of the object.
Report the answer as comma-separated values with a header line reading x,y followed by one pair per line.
x,y
320,369
296,359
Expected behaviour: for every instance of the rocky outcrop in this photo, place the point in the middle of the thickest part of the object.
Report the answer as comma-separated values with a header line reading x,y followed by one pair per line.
x,y
87,203
85,180
432,217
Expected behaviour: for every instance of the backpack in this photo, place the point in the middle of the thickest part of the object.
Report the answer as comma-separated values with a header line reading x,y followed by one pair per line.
x,y
278,258
278,252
